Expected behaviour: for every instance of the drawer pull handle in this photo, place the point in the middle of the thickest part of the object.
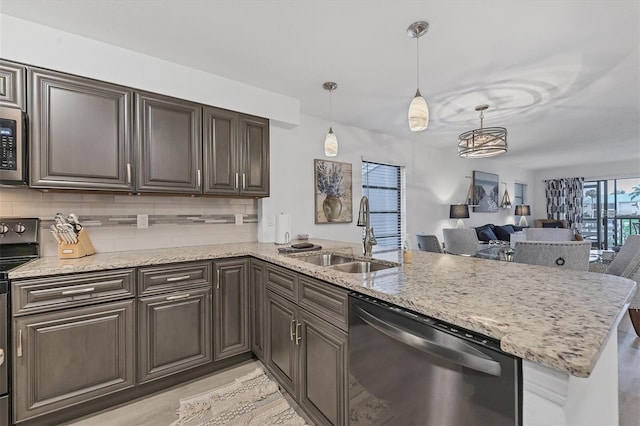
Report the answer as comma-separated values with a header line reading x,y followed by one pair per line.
x,y
19,346
298,333
129,173
244,181
182,278
1,356
199,178
78,291
178,296
217,278
291,329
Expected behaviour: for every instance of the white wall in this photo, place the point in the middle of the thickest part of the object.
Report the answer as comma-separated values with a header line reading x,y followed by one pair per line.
x,y
435,179
611,170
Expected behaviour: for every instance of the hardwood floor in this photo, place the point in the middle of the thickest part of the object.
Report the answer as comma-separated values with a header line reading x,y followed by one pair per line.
x,y
160,409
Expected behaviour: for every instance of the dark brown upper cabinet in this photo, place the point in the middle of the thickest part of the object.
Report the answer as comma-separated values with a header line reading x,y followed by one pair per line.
x,y
168,144
12,85
236,153
80,133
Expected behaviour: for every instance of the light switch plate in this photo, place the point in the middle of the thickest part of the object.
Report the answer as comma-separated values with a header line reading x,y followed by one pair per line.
x,y
239,220
143,221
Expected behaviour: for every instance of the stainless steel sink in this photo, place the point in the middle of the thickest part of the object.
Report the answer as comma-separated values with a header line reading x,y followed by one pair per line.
x,y
362,267
326,259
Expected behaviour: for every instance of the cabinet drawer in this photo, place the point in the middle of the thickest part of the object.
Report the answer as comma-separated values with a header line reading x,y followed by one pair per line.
x,y
159,279
52,293
324,300
281,281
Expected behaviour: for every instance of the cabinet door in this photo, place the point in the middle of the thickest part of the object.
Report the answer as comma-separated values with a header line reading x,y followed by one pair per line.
x,y
280,348
256,307
323,364
12,87
168,142
80,133
231,312
254,134
67,357
221,151
174,332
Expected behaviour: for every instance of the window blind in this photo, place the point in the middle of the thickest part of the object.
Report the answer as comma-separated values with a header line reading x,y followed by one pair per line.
x,y
384,185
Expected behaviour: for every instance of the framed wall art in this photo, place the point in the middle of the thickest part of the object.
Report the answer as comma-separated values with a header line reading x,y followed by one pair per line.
x,y
485,189
333,192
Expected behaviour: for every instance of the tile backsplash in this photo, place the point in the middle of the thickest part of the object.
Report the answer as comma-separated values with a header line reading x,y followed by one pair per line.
x,y
122,235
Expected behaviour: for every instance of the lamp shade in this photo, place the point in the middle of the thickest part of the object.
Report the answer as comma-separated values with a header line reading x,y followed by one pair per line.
x,y
331,144
418,113
523,210
458,211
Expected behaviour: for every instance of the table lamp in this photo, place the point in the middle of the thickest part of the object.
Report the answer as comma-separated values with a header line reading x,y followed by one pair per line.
x,y
459,211
523,210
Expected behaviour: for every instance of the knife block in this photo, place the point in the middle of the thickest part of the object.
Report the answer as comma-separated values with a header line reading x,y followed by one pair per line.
x,y
84,247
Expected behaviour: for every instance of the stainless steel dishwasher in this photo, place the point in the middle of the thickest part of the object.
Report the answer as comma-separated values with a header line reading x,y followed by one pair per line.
x,y
409,369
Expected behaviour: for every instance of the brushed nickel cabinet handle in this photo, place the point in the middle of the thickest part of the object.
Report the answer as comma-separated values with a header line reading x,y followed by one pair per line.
x,y
236,180
1,356
178,296
244,181
199,178
78,291
129,173
19,345
291,329
217,278
182,278
298,332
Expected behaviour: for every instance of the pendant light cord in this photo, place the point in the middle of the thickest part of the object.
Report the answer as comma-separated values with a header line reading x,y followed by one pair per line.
x,y
330,110
417,64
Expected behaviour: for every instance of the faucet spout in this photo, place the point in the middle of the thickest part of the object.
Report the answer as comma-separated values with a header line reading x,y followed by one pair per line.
x,y
364,220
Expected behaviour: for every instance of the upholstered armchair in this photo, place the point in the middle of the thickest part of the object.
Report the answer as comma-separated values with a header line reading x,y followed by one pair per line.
x,y
429,243
461,241
627,264
573,255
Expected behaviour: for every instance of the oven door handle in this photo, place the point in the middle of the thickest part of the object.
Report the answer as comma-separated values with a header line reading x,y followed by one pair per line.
x,y
469,357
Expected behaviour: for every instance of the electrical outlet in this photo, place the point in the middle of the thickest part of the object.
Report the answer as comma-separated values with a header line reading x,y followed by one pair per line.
x,y
143,221
239,219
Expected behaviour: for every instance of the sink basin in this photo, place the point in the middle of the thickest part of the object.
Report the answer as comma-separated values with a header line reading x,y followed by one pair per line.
x,y
326,259
362,267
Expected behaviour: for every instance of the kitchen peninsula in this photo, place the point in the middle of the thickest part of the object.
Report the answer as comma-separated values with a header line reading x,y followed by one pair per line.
x,y
561,323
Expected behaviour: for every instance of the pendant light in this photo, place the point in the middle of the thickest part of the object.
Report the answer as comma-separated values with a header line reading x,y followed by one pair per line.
x,y
506,200
330,141
418,109
483,142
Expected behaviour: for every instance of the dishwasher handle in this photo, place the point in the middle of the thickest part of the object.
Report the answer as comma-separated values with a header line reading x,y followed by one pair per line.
x,y
477,360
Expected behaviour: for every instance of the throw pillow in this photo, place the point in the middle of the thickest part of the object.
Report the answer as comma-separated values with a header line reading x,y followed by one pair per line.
x,y
503,232
557,224
485,233
517,228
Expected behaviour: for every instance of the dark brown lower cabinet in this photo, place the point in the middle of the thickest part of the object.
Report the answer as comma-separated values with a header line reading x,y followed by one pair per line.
x,y
231,308
256,307
308,356
70,356
4,410
174,332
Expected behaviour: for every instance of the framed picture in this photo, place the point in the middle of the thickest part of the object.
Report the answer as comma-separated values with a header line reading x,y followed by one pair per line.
x,y
485,191
332,192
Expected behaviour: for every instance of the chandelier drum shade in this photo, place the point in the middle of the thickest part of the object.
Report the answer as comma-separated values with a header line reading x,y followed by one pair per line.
x,y
418,115
483,142
330,141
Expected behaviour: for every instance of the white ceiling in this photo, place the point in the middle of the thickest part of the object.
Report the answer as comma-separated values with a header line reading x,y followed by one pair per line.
x,y
562,76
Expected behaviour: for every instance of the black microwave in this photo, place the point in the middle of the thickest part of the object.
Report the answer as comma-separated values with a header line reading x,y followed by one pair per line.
x,y
13,146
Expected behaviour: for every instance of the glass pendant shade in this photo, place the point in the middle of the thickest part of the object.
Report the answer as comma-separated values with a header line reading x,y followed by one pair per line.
x,y
418,113
330,144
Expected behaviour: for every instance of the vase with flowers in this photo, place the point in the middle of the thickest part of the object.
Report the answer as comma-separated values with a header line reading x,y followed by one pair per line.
x,y
329,182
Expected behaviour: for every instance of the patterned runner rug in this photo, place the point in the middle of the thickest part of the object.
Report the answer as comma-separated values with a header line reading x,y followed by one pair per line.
x,y
253,399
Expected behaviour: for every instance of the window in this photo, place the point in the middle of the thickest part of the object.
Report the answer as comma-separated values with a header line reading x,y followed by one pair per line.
x,y
384,185
520,196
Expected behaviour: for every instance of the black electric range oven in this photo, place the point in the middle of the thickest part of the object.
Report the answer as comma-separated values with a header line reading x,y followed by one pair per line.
x,y
18,245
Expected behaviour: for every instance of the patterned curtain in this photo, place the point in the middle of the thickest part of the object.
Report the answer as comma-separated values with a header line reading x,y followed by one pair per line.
x,y
564,200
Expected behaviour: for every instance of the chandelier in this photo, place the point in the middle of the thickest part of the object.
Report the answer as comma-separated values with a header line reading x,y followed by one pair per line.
x,y
483,142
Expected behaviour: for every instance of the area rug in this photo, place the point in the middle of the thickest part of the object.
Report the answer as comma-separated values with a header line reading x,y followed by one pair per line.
x,y
253,399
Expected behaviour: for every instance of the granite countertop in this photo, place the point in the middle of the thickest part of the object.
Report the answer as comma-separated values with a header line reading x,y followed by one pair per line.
x,y
557,318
